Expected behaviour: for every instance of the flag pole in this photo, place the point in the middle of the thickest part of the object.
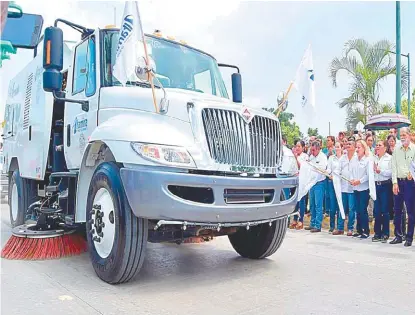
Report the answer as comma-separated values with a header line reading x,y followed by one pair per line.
x,y
150,76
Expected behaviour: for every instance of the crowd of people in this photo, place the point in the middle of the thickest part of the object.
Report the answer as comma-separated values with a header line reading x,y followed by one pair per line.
x,y
352,158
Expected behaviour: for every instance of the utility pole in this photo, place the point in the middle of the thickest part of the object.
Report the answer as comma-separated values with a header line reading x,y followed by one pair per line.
x,y
409,88
329,130
398,59
115,16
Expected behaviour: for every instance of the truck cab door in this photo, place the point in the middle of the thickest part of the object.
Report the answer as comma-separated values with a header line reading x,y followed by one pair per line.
x,y
83,76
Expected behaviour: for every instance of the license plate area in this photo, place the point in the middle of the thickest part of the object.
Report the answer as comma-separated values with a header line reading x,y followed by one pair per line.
x,y
248,196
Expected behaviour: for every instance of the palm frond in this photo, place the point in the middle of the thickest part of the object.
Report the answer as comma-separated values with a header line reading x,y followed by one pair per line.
x,y
349,64
359,45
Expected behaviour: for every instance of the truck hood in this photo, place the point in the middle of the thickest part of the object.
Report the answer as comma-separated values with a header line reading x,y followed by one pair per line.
x,y
139,98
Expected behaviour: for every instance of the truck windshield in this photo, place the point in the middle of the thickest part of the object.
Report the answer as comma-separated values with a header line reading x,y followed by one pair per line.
x,y
177,66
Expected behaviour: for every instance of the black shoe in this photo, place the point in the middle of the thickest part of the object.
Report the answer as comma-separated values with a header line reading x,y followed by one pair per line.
x,y
407,243
376,239
396,240
363,236
331,230
385,238
315,230
356,234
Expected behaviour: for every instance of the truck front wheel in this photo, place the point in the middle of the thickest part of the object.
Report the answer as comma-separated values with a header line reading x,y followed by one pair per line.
x,y
116,238
259,241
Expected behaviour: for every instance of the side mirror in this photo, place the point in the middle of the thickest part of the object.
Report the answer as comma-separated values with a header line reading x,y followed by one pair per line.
x,y
236,83
52,59
237,87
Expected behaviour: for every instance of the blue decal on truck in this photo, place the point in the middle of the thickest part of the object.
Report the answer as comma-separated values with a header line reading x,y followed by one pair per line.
x,y
80,125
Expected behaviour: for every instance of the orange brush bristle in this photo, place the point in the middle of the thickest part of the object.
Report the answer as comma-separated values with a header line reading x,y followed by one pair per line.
x,y
25,248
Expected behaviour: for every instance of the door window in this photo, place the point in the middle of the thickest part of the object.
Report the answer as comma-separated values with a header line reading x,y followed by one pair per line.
x,y
84,78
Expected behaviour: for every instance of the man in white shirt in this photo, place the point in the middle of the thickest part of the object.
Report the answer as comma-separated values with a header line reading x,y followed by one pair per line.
x,y
319,160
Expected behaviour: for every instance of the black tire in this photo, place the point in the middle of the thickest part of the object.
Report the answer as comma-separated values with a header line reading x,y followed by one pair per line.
x,y
26,191
259,241
128,249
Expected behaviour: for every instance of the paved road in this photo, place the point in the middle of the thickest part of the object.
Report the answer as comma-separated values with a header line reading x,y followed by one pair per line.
x,y
310,274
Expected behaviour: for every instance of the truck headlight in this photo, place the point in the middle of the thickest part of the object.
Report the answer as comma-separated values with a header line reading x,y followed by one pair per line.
x,y
163,154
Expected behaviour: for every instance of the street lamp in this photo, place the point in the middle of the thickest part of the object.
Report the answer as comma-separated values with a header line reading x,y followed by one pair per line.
x,y
409,81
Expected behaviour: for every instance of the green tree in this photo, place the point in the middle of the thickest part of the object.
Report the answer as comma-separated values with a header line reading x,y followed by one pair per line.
x,y
368,66
312,132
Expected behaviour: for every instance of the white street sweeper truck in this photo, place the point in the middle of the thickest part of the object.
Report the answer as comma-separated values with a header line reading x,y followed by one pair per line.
x,y
84,152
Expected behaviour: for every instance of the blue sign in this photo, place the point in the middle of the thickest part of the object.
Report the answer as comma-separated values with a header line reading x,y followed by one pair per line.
x,y
80,125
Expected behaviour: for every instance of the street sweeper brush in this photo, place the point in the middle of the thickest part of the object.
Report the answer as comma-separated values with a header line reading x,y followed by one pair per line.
x,y
28,242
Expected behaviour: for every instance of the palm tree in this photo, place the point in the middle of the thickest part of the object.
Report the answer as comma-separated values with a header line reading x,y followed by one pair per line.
x,y
368,65
355,114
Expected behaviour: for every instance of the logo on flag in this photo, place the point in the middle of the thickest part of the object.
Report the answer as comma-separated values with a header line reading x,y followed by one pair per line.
x,y
130,35
125,33
247,115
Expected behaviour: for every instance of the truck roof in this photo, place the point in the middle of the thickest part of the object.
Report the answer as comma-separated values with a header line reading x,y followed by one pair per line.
x,y
165,39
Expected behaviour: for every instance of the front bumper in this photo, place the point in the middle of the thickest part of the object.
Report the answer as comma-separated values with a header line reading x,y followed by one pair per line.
x,y
149,197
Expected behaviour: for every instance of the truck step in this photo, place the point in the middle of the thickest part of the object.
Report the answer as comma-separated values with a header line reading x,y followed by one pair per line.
x,y
64,174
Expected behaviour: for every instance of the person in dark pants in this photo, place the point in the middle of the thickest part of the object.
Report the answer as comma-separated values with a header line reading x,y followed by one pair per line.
x,y
403,187
383,180
360,183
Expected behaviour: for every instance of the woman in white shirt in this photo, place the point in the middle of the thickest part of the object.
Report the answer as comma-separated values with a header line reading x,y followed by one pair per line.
x,y
360,183
383,180
301,157
334,166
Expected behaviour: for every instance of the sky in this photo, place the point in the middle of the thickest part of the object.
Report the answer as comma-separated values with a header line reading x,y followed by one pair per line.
x,y
265,39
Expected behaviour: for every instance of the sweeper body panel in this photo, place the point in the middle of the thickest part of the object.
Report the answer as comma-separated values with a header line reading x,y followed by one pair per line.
x,y
128,169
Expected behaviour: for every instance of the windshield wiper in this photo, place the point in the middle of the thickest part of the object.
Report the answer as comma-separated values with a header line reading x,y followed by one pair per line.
x,y
142,84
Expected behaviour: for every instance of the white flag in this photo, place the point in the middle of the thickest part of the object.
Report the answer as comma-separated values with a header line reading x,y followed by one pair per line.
x,y
304,79
306,179
371,175
337,184
130,41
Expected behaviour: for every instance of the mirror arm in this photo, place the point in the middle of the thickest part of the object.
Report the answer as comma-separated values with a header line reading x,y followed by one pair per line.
x,y
85,104
229,66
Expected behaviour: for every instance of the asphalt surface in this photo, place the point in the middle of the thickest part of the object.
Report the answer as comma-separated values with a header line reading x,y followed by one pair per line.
x,y
310,274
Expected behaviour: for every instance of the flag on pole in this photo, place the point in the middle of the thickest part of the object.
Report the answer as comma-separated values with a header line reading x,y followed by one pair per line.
x,y
304,79
131,34
131,47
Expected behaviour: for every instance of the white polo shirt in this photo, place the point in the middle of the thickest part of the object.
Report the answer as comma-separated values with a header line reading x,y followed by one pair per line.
x,y
385,165
360,171
345,170
319,161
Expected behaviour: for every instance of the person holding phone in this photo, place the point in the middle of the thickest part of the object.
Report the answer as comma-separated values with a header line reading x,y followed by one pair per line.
x,y
383,180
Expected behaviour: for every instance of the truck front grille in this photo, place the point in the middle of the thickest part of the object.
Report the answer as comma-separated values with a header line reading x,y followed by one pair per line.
x,y
232,141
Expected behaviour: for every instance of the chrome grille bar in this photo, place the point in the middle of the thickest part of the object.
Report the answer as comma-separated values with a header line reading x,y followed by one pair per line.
x,y
234,142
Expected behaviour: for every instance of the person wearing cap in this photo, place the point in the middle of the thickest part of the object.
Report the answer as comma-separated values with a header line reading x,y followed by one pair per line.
x,y
403,187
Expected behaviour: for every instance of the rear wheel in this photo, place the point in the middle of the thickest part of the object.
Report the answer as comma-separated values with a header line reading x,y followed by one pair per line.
x,y
21,195
259,241
116,238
